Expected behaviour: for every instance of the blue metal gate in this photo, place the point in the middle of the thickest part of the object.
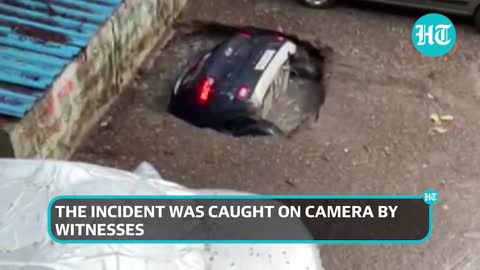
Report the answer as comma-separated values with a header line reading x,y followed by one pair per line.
x,y
38,39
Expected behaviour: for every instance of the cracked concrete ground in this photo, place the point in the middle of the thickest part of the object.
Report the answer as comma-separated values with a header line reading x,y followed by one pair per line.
x,y
373,135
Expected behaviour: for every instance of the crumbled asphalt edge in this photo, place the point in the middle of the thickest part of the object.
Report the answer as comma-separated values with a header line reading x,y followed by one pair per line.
x,y
302,62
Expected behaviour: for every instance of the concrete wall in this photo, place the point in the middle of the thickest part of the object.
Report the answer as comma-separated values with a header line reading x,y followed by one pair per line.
x,y
90,84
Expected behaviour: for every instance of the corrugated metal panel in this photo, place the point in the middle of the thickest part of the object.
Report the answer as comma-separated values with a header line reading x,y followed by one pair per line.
x,y
38,38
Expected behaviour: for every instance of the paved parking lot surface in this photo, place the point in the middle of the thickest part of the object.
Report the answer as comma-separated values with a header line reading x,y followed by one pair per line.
x,y
374,135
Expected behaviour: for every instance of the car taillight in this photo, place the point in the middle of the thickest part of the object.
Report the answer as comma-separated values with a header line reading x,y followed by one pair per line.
x,y
280,33
243,92
245,35
205,87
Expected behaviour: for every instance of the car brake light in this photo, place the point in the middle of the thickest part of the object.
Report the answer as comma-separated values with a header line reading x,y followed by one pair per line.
x,y
245,35
280,33
206,87
243,92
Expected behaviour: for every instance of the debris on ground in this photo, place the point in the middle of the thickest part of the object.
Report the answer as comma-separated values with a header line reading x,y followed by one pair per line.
x,y
387,151
326,158
446,117
440,121
292,182
440,130
106,122
435,118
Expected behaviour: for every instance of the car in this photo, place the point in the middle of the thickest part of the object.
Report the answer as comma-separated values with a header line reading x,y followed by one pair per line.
x,y
470,8
231,87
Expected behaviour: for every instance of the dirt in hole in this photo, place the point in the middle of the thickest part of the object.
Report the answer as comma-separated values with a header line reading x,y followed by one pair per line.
x,y
291,109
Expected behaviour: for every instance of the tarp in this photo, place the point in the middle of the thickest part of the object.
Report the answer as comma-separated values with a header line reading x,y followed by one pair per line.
x,y
27,186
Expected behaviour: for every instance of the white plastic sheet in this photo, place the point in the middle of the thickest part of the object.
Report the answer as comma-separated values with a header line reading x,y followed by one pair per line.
x,y
27,186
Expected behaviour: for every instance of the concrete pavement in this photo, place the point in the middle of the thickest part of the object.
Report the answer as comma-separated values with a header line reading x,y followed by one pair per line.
x,y
373,137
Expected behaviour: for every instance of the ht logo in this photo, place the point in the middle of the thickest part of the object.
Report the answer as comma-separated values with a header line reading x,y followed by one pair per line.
x,y
430,197
438,35
433,35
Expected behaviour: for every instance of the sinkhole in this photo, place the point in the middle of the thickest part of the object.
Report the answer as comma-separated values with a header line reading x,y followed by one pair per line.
x,y
235,71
